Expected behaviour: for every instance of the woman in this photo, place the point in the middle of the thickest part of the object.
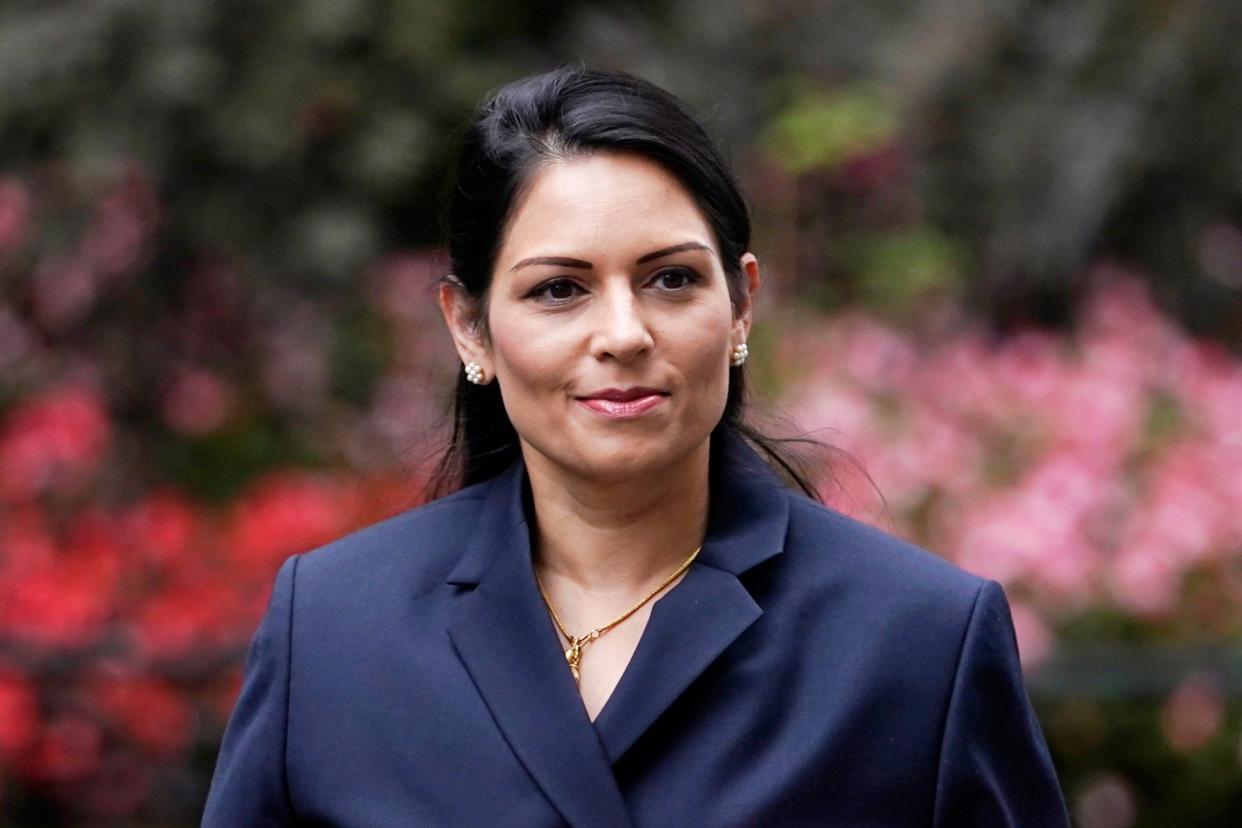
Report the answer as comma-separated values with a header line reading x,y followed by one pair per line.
x,y
623,616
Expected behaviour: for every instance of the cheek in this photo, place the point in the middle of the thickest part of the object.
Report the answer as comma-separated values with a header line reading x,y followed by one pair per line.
x,y
531,358
703,358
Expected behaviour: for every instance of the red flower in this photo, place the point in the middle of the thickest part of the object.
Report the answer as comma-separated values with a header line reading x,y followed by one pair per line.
x,y
53,441
181,619
148,711
286,513
161,528
26,543
58,608
117,790
19,717
65,601
68,751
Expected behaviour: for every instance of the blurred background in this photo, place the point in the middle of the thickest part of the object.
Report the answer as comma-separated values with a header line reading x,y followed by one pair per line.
x,y
1003,251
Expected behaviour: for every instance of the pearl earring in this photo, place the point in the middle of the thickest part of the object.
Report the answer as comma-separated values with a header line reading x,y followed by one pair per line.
x,y
740,352
474,373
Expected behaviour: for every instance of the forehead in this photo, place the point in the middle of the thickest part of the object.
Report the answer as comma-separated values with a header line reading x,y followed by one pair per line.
x,y
601,204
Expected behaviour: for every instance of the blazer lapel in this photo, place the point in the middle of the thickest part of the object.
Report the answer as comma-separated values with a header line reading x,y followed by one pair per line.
x,y
505,638
693,624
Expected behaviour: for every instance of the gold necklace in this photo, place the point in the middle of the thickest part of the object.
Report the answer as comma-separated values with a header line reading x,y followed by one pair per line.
x,y
574,654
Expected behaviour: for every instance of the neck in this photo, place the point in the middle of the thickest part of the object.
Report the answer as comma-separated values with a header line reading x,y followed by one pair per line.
x,y
618,536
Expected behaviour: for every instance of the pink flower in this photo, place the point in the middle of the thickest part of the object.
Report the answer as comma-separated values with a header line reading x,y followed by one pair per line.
x,y
1145,582
1035,640
1183,514
1220,401
998,541
835,406
295,362
198,402
1098,416
874,356
1193,713
1108,801
15,216
1067,483
403,284
118,239
17,340
960,378
63,292
1030,367
1121,304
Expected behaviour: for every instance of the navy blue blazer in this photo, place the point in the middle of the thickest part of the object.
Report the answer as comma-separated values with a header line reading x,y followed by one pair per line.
x,y
807,670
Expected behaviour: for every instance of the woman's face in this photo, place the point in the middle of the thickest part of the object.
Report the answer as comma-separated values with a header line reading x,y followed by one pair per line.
x,y
608,283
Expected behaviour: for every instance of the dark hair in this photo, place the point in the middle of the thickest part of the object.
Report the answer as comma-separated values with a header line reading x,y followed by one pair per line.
x,y
565,113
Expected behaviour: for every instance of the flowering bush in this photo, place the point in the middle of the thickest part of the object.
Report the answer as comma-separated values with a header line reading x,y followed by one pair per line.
x,y
1096,476
152,479
1098,470
228,352
1090,473
122,631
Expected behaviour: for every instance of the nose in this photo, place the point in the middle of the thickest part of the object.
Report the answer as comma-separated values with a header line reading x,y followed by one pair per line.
x,y
620,332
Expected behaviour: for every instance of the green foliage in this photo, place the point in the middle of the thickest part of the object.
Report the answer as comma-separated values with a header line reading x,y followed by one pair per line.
x,y
1121,740
358,359
217,466
902,270
821,128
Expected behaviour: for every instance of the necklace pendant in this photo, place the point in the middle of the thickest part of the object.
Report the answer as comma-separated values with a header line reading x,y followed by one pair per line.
x,y
573,655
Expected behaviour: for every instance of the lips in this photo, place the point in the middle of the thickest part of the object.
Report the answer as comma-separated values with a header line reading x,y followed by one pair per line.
x,y
624,403
636,392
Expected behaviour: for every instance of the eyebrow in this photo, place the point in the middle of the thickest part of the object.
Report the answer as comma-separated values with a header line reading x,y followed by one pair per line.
x,y
563,261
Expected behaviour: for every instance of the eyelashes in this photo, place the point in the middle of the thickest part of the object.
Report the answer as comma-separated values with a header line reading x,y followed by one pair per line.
x,y
544,292
685,273
562,290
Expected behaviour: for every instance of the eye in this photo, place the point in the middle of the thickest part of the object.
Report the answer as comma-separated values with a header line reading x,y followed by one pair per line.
x,y
675,278
554,291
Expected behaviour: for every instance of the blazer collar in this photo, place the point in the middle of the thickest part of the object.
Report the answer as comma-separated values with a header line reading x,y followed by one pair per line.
x,y
747,514
505,638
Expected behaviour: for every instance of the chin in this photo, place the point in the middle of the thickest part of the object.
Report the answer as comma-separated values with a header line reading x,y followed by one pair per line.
x,y
616,464
623,459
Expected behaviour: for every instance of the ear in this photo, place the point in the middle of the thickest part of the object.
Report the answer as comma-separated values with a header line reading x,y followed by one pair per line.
x,y
750,285
461,315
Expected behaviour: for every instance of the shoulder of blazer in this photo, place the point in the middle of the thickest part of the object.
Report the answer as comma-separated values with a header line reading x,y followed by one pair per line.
x,y
417,548
822,538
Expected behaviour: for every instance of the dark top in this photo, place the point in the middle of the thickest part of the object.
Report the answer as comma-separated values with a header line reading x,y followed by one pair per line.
x,y
807,670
